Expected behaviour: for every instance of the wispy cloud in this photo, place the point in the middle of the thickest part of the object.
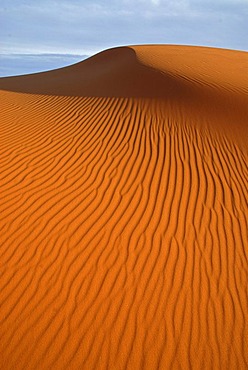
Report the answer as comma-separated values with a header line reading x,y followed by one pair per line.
x,y
16,64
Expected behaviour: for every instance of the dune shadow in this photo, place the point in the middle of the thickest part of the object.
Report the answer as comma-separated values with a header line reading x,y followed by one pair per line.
x,y
112,73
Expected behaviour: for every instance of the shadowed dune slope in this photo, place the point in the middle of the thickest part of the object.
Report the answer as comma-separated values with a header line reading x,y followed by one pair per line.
x,y
123,212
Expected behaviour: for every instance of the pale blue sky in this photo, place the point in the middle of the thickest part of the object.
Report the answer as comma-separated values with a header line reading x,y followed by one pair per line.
x,y
32,31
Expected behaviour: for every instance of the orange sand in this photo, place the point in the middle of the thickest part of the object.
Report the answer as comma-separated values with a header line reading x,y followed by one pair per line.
x,y
123,212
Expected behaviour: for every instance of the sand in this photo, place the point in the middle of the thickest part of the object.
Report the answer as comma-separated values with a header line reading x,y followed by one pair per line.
x,y
123,212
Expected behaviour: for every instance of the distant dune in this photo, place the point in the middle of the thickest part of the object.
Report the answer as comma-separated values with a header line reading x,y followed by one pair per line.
x,y
123,212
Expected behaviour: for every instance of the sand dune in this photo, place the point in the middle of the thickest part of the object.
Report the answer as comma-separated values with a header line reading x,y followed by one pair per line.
x,y
123,212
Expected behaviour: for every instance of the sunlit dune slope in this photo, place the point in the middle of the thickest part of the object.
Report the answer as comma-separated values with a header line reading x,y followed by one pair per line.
x,y
123,212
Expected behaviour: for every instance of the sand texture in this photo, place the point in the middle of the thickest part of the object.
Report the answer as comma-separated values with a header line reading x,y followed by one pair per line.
x,y
123,212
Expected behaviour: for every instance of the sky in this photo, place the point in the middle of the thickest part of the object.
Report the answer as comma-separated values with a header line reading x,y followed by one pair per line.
x,y
39,35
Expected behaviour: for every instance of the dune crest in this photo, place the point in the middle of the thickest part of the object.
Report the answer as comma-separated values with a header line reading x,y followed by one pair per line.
x,y
123,212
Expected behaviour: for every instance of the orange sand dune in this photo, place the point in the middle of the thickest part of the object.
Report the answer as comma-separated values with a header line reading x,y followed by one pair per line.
x,y
123,212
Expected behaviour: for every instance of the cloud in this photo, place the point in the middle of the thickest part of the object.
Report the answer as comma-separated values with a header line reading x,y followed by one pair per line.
x,y
86,27
15,64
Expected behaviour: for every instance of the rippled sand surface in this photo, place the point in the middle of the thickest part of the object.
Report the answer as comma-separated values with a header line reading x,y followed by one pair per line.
x,y
123,212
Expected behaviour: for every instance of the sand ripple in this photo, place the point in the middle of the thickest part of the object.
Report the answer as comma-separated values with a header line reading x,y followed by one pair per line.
x,y
123,231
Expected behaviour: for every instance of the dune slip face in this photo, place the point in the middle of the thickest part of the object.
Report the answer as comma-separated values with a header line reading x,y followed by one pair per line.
x,y
123,212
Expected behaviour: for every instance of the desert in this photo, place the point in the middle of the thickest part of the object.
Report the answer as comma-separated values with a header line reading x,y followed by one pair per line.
x,y
123,212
